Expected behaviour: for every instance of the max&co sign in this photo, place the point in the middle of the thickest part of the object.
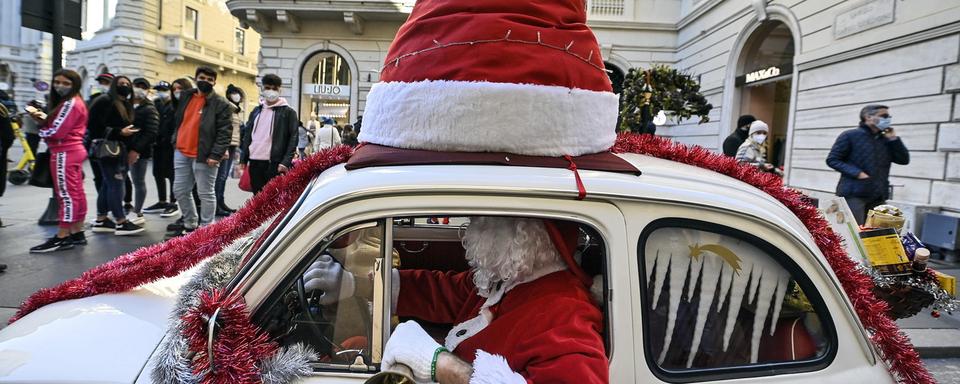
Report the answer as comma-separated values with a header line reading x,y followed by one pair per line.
x,y
763,74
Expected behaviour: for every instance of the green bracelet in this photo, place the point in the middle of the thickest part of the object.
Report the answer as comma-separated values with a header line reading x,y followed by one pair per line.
x,y
433,364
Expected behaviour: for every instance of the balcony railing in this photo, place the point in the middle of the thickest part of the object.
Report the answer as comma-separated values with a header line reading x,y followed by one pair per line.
x,y
179,47
609,9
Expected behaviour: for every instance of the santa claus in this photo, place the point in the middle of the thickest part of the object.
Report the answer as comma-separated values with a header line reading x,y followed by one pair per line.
x,y
522,313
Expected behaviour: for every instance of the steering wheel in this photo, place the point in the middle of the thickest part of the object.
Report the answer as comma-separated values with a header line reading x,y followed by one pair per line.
x,y
314,325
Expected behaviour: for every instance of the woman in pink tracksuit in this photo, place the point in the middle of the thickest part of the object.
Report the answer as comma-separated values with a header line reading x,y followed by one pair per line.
x,y
63,131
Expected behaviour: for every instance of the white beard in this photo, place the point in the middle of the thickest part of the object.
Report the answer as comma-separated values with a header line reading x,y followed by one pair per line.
x,y
506,249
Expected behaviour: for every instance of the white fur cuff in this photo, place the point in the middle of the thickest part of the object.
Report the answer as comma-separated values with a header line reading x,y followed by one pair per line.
x,y
479,116
493,369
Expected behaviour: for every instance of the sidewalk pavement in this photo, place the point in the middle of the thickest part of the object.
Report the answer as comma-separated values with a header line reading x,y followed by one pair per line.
x,y
935,337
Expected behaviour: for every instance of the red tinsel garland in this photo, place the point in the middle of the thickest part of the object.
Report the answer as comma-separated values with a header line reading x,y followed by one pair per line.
x,y
172,257
895,347
238,344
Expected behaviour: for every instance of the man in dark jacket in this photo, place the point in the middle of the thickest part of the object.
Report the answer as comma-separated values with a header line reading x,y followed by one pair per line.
x,y
269,143
163,153
140,145
738,136
863,156
202,134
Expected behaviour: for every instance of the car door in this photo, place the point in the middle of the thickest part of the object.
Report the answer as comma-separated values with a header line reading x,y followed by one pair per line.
x,y
724,296
297,246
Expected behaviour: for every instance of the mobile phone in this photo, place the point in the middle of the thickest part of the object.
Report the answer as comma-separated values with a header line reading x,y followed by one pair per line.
x,y
35,112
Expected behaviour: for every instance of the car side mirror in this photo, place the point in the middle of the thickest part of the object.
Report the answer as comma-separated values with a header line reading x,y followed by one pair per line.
x,y
398,374
211,333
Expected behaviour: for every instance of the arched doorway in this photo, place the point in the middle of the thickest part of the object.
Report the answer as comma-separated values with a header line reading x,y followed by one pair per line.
x,y
764,79
325,87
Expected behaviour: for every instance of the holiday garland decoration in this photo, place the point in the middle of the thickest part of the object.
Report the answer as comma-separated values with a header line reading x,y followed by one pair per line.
x,y
170,258
894,347
660,88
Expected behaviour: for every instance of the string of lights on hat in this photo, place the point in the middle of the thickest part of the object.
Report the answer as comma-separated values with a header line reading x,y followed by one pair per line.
x,y
505,39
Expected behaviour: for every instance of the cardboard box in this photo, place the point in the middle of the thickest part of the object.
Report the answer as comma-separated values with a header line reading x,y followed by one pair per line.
x,y
885,251
949,283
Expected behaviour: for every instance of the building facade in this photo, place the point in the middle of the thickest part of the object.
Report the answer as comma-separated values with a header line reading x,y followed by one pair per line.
x,y
165,40
806,67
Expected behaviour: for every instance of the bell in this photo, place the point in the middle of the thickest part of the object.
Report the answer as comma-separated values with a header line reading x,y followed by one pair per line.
x,y
398,374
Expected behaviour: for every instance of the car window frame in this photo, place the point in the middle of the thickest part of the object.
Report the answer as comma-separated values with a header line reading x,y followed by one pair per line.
x,y
759,370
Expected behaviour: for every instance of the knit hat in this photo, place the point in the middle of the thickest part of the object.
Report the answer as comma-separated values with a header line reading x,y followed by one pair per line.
x,y
105,77
524,77
758,126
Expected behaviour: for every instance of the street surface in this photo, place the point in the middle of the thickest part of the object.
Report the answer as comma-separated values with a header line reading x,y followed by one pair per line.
x,y
22,205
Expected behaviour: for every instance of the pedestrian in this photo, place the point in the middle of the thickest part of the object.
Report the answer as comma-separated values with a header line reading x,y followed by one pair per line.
x,y
112,120
63,131
165,104
203,125
100,89
349,136
235,96
327,135
146,118
7,138
862,156
753,151
732,143
304,137
268,146
31,129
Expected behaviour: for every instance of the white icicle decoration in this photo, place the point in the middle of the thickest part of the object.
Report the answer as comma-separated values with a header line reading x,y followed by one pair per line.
x,y
737,288
712,267
768,285
661,243
726,277
695,265
663,262
755,280
679,266
782,282
649,263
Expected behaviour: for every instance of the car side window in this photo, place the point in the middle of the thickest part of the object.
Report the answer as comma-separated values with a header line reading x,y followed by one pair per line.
x,y
717,298
318,308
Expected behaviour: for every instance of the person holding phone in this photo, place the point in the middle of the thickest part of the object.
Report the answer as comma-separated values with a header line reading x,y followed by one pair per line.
x,y
862,156
111,118
63,131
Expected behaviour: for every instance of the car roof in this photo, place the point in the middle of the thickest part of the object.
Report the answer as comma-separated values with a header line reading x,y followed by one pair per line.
x,y
660,180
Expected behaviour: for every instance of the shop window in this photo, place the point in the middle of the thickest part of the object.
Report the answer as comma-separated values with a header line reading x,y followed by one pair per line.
x,y
239,39
191,23
716,299
326,84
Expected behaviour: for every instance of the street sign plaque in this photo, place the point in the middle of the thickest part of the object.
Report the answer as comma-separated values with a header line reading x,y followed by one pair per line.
x,y
38,14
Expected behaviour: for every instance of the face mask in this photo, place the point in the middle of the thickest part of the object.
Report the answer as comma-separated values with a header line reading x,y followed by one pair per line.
x,y
176,95
123,91
205,86
63,91
760,138
270,95
884,123
140,93
235,98
163,95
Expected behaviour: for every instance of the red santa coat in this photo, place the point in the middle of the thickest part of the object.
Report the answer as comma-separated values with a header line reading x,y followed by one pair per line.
x,y
548,329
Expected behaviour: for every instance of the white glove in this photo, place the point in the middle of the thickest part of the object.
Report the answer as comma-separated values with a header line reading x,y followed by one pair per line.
x,y
412,346
327,275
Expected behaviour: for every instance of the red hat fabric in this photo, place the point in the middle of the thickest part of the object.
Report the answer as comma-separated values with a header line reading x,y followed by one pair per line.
x,y
513,76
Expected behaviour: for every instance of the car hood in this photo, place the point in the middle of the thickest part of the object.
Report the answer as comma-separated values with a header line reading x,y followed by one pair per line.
x,y
100,339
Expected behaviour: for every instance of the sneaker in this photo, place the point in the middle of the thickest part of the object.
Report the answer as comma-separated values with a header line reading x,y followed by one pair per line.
x,y
78,238
53,244
171,211
138,219
175,226
3,267
157,208
181,232
128,228
223,212
105,226
127,207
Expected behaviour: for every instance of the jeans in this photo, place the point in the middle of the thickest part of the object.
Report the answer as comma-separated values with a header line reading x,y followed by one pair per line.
x,y
223,174
138,174
110,194
188,172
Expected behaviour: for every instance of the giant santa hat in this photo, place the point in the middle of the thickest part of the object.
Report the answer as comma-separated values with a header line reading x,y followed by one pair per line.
x,y
516,76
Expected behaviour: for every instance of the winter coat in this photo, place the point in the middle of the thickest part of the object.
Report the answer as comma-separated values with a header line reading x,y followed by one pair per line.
x,y
548,329
327,136
751,152
236,134
861,150
216,123
147,119
166,111
284,144
105,121
732,143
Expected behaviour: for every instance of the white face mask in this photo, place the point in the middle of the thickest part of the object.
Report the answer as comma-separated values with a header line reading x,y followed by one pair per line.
x,y
270,95
760,138
140,93
235,97
176,95
163,95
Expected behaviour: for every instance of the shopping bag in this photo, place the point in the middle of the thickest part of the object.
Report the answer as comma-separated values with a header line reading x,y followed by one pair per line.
x,y
245,181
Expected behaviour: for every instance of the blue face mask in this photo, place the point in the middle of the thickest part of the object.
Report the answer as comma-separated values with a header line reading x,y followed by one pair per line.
x,y
884,123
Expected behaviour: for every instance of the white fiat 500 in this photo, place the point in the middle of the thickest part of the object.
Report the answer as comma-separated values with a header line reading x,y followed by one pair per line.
x,y
699,277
